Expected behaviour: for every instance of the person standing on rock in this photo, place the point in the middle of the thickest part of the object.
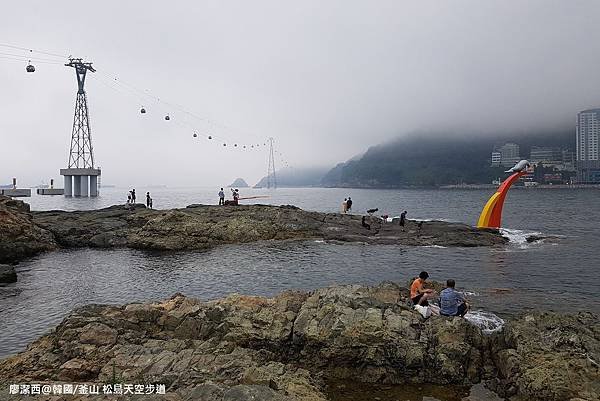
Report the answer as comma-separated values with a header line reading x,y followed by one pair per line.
x,y
128,197
148,200
133,195
345,205
403,218
452,302
221,197
349,204
418,294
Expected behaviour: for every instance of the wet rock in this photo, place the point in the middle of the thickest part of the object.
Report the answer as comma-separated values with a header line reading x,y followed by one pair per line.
x,y
7,274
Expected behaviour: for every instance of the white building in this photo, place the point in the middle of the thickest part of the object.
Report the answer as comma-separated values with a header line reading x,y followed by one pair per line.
x,y
509,154
588,134
496,158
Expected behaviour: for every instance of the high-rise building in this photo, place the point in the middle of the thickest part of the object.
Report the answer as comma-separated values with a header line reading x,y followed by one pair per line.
x,y
509,154
588,135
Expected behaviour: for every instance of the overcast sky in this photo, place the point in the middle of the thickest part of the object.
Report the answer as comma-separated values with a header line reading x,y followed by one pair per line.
x,y
326,79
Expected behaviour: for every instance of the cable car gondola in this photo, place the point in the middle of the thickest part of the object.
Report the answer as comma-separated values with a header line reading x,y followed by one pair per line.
x,y
195,135
209,137
30,67
143,110
167,117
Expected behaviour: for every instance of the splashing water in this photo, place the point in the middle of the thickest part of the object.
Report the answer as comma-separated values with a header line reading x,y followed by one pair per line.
x,y
487,321
518,237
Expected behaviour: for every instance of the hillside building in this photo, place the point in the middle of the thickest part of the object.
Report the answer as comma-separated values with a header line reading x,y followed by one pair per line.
x,y
506,155
587,136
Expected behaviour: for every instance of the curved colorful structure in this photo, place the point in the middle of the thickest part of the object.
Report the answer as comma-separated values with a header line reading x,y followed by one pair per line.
x,y
491,215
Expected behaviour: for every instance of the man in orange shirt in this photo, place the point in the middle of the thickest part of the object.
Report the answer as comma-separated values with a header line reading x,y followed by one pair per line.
x,y
418,294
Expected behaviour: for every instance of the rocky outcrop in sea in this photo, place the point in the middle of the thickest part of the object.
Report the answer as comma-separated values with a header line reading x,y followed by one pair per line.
x,y
20,237
291,346
198,227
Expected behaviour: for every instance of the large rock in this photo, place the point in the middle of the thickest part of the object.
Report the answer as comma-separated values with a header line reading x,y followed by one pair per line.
x,y
287,347
550,356
19,236
201,227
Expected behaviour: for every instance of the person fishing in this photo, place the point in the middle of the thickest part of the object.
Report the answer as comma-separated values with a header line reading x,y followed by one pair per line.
x,y
452,302
418,294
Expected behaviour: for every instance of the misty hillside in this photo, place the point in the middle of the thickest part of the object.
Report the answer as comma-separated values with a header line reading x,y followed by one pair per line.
x,y
428,161
297,177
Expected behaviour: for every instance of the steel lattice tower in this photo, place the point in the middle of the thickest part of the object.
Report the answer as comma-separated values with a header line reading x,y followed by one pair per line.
x,y
81,154
81,177
271,177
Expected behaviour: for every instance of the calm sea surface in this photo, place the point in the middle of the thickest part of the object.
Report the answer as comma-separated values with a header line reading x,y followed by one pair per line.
x,y
559,274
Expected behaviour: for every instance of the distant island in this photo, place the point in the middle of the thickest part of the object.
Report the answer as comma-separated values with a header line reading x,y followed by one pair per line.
x,y
239,183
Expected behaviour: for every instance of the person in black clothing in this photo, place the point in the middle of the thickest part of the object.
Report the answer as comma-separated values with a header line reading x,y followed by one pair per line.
x,y
403,218
148,200
133,195
349,204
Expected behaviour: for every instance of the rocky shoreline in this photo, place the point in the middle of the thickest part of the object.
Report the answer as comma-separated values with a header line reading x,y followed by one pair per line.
x,y
197,227
289,346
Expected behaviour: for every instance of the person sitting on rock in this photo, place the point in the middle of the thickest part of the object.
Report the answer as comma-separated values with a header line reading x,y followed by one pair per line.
x,y
452,302
418,294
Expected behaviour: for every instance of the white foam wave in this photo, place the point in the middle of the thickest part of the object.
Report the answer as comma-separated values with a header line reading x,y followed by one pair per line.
x,y
435,246
486,321
519,237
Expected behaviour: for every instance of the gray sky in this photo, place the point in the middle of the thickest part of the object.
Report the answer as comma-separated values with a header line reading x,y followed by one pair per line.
x,y
326,79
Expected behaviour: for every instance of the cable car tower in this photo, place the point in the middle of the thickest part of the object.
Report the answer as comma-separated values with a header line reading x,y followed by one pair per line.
x,y
271,178
81,156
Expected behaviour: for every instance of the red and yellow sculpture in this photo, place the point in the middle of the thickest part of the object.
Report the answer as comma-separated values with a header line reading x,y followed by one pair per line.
x,y
491,215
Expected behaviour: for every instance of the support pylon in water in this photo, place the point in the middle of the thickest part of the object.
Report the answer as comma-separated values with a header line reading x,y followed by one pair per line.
x,y
271,177
491,215
81,155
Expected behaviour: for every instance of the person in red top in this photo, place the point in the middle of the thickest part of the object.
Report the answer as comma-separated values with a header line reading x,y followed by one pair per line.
x,y
418,294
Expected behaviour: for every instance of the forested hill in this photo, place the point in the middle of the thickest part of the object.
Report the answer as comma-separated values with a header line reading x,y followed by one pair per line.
x,y
428,161
297,177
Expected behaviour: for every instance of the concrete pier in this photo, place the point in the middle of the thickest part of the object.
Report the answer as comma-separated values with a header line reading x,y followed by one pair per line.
x,y
93,185
16,192
50,191
81,181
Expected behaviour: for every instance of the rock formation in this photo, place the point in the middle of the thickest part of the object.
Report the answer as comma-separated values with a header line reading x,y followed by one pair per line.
x,y
24,233
201,227
239,183
288,347
19,235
